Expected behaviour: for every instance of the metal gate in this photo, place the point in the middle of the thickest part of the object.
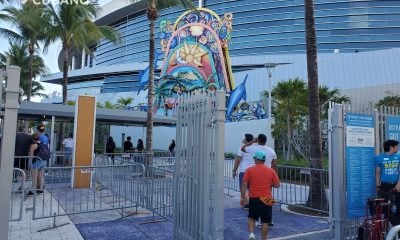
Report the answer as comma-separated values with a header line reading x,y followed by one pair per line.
x,y
198,180
344,227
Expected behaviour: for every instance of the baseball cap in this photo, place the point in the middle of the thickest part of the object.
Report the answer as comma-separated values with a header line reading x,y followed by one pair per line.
x,y
259,155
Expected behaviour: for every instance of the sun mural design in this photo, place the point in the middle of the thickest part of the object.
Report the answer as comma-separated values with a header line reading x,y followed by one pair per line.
x,y
196,56
192,54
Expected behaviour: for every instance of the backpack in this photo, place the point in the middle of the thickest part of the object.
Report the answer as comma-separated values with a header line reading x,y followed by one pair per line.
x,y
43,151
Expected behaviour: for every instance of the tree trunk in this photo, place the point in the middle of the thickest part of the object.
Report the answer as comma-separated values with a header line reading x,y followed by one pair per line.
x,y
64,92
31,49
317,196
289,139
152,15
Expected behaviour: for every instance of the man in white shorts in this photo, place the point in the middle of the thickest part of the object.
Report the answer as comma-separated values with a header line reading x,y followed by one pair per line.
x,y
270,155
243,161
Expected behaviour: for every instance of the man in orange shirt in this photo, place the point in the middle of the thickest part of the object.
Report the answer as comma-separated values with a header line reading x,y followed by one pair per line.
x,y
259,179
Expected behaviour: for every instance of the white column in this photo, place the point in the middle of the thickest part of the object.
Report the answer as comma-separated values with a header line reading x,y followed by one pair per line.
x,y
8,145
83,58
73,62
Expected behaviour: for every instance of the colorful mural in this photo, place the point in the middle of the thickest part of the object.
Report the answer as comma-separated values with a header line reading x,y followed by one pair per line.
x,y
195,55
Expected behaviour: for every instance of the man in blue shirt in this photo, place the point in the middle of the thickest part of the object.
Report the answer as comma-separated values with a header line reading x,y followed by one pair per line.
x,y
387,172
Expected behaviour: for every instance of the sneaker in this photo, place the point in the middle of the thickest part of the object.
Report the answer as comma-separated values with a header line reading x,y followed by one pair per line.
x,y
39,191
252,236
246,206
271,224
30,193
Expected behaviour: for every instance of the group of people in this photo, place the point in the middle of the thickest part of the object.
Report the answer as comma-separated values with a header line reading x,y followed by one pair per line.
x,y
127,146
257,167
37,147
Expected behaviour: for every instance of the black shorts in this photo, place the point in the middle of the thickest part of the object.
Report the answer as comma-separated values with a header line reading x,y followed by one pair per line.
x,y
258,209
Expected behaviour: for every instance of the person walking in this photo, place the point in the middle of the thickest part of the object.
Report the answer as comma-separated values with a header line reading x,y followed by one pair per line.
x,y
171,148
128,146
387,172
243,161
110,147
259,179
270,155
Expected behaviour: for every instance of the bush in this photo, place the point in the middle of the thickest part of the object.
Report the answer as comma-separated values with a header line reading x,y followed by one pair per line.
x,y
229,155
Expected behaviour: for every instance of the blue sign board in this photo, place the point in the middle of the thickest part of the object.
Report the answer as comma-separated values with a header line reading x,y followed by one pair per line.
x,y
360,162
392,128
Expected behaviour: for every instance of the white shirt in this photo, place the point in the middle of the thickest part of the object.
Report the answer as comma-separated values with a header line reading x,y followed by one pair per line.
x,y
246,162
68,143
269,153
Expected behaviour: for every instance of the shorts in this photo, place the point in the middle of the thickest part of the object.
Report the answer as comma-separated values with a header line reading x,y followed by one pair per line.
x,y
39,164
241,175
258,209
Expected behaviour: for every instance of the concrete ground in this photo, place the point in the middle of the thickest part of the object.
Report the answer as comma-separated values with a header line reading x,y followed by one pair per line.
x,y
142,224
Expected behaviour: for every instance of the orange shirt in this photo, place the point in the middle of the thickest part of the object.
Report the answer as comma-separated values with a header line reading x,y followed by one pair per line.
x,y
260,179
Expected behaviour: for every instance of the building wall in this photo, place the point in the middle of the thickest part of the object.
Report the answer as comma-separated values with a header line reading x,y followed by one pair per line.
x,y
271,26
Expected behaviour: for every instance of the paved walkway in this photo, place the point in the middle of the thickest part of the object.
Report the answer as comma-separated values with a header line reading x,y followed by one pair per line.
x,y
109,226
28,229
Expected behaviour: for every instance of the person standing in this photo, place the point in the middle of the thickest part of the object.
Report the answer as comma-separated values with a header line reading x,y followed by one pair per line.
x,y
387,172
140,145
259,179
171,148
128,146
243,161
68,146
22,145
110,147
37,166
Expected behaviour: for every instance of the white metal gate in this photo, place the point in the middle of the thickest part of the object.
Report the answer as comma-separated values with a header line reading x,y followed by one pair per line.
x,y
342,226
198,180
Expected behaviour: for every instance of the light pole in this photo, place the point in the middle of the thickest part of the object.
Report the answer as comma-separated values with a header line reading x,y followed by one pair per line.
x,y
269,67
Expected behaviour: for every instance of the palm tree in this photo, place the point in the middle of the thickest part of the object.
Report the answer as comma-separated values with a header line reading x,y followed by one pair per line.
x,y
290,102
19,56
315,198
72,23
152,14
31,23
124,102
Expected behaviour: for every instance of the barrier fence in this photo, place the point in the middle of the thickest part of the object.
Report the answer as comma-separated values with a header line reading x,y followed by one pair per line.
x,y
294,189
73,190
17,194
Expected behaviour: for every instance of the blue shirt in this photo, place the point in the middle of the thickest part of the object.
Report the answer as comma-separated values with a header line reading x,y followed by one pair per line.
x,y
44,139
389,165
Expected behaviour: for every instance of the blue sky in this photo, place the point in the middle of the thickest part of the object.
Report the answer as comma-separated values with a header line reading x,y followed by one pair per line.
x,y
50,57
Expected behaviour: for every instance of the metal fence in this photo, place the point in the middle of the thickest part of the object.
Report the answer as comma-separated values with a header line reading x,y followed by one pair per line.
x,y
73,190
17,194
294,189
198,176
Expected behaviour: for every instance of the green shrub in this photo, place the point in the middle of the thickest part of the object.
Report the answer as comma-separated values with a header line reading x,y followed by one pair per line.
x,y
229,155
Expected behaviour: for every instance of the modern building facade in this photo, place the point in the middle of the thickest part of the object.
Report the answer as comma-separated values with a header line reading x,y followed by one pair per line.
x,y
357,45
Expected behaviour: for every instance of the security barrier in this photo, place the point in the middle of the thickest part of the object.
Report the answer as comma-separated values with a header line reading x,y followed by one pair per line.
x,y
294,189
17,194
111,188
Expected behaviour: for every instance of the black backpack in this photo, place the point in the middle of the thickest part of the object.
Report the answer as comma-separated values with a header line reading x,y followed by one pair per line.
x,y
43,151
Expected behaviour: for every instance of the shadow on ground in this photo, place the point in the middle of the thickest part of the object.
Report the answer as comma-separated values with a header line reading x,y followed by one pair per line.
x,y
286,224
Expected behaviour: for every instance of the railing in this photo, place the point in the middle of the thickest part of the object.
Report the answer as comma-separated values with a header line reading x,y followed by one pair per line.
x,y
295,186
60,159
74,190
158,190
17,194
